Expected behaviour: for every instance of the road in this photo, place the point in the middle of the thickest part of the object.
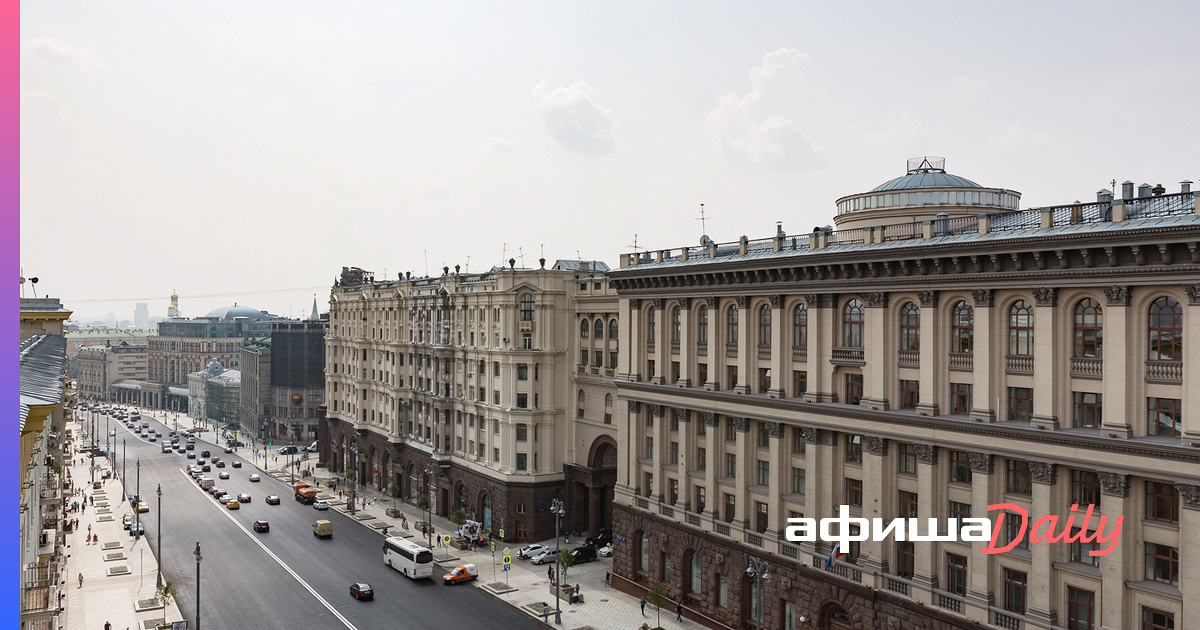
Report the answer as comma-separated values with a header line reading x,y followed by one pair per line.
x,y
287,578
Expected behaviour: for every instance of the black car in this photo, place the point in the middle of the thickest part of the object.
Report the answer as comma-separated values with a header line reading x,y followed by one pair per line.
x,y
362,590
602,538
584,554
192,455
205,453
191,446
272,500
206,468
262,526
137,529
220,464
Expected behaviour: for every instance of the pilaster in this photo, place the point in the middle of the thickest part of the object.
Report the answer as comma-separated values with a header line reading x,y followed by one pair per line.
x,y
781,353
715,345
1189,525
712,429
747,352
1045,500
821,332
932,495
1116,611
1118,365
1047,359
931,369
687,345
985,487
1191,370
777,460
662,343
987,357
879,500
880,365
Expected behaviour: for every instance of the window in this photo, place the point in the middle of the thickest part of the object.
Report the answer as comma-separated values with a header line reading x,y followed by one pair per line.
x,y
800,326
584,327
1162,502
1081,551
666,566
651,323
799,383
854,449
612,328
523,369
798,481
731,325
1020,404
905,559
612,360
852,324
526,341
1157,620
650,368
762,434
649,447
1087,411
799,444
731,376
1162,564
496,455
599,328
675,372
960,511
910,327
701,458
694,566
700,499
701,373
854,389
960,398
730,508
1164,416
1015,583
910,394
764,380
644,555
674,454
673,495
764,325
730,430
730,465
1018,477
522,401
522,461
1089,328
702,325
956,574
907,459
854,493
676,324
1020,329
495,368
723,591
760,517
1166,330
962,328
522,432
1085,488
526,308
908,504
764,473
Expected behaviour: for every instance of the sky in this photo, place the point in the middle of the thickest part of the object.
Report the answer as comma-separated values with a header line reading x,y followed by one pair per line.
x,y
246,152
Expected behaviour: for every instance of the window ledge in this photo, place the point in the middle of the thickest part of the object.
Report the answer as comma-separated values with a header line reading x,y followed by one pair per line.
x,y
1158,588
1079,568
793,497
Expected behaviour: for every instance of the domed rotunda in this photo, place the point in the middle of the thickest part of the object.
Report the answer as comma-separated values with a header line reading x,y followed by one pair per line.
x,y
230,312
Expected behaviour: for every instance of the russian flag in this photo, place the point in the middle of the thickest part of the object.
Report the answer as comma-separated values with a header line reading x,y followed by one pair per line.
x,y
837,553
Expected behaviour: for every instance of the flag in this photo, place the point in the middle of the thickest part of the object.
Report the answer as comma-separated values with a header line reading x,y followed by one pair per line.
x,y
837,553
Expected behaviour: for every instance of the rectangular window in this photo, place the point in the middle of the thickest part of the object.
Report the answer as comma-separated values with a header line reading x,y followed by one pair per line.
x,y
522,372
650,368
1164,416
701,374
760,517
799,383
764,473
730,430
799,444
905,559
649,447
666,567
496,397
1081,551
674,372
907,459
674,455
854,389
722,590
854,449
521,461
730,508
701,458
1018,477
1012,530
583,357
495,368
1015,583
1162,564
1020,404
764,380
673,495
798,475
854,493
960,467
910,394
522,432
496,427
1162,502
730,465
612,360
1157,620
960,511
960,398
731,377
908,504
496,455
522,401
700,497
764,435
1085,488
1086,413
956,574
527,341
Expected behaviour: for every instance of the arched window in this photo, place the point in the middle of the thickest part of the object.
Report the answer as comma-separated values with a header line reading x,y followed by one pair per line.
x,y
696,571
608,400
1020,329
1089,328
800,326
643,551
702,325
581,396
676,324
910,327
651,322
526,308
962,328
731,325
764,325
1166,330
852,324
584,327
599,327
612,328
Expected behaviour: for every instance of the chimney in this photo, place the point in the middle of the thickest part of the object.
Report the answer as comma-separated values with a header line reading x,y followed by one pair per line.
x,y
1104,195
1185,186
1127,190
1158,190
1143,191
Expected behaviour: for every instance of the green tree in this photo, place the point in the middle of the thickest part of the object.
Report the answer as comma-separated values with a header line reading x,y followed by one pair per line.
x,y
657,597
567,560
393,490
350,475
459,517
166,593
422,501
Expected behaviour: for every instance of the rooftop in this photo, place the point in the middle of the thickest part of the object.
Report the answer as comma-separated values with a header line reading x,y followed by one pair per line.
x,y
926,172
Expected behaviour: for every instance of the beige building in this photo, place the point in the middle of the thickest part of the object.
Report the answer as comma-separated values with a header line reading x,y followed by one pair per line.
x,y
101,367
927,369
478,379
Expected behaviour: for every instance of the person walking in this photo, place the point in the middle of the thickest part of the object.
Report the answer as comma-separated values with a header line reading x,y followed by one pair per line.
x,y
545,612
678,612
642,603
608,578
550,573
80,580
107,626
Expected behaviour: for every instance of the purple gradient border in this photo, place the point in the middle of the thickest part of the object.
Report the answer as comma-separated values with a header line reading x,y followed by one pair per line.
x,y
10,370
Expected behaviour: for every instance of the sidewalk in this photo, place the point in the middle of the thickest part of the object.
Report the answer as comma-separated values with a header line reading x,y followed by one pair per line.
x,y
119,573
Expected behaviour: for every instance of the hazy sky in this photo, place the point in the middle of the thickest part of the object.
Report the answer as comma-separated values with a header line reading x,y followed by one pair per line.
x,y
245,152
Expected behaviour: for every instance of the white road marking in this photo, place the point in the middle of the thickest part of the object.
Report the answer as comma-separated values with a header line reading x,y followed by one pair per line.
x,y
281,563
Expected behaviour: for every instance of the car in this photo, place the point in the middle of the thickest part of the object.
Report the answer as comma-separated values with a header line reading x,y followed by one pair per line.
x,y
127,520
262,526
166,448
206,468
223,475
546,555
191,446
244,497
158,433
273,499
362,590
255,477
228,449
584,554
606,551
191,455
219,492
288,450
205,454
321,505
137,529
602,537
142,506
225,498
529,551
214,459
232,504
153,439
236,464
112,433
220,464
461,573
202,461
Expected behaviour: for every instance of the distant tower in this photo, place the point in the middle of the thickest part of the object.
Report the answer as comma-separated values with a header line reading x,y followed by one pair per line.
x,y
315,315
141,316
173,309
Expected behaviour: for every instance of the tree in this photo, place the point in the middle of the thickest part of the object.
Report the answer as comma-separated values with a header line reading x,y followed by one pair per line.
x,y
657,597
459,517
350,475
422,500
567,560
166,593
393,490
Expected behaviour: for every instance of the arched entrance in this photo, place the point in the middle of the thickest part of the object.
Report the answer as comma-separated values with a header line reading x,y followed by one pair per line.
x,y
485,509
834,617
413,483
387,472
594,486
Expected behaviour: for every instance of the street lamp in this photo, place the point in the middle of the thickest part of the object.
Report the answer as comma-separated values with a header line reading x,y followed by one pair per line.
x,y
430,471
759,571
137,512
556,507
198,559
160,558
291,455
124,493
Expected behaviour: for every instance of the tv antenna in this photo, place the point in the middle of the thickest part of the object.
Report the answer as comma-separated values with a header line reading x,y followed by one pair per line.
x,y
635,245
468,267
702,220
521,255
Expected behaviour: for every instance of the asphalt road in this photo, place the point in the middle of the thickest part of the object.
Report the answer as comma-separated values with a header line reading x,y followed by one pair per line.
x,y
287,578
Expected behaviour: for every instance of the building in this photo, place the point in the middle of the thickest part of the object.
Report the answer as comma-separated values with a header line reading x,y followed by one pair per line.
x,y
213,395
283,381
108,372
465,388
81,338
141,315
922,367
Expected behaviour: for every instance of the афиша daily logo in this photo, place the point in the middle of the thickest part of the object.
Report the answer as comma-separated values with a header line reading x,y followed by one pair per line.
x,y
1044,529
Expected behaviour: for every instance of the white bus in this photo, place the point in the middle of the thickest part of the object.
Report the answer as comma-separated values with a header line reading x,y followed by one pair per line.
x,y
408,558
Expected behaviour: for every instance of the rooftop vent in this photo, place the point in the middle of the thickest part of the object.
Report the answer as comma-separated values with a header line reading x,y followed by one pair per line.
x,y
926,164
1185,186
1104,195
1158,190
1143,190
1127,189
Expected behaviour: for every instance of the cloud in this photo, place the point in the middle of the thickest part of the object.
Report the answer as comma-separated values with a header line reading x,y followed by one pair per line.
x,y
763,128
1015,135
496,144
53,51
578,123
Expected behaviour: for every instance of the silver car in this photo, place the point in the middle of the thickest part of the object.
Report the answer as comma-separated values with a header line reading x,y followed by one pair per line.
x,y
546,556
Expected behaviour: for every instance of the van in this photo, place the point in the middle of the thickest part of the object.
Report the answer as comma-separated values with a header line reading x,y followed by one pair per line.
x,y
461,573
323,529
288,450
145,424
206,482
306,495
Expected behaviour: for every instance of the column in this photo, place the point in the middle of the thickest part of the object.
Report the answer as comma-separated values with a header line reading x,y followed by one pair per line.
x,y
1045,500
715,348
1118,365
989,351
1124,561
821,331
629,436
662,342
745,469
747,352
878,353
979,577
712,427
781,353
661,436
1189,545
687,454
687,345
931,355
1191,373
630,344
879,499
932,496
1047,359
780,479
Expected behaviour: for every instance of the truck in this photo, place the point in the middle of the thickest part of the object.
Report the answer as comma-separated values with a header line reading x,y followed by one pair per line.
x,y
306,495
323,529
461,573
470,529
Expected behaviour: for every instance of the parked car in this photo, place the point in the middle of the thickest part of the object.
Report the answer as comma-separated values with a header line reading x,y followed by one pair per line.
x,y
362,590
546,555
262,526
606,551
272,499
137,529
528,551
602,538
584,554
255,477
321,505
127,520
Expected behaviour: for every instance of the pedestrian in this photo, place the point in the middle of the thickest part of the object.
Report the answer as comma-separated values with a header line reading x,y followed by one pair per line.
x,y
678,612
95,539
643,605
545,612
550,573
608,578
89,529
80,580
107,626
578,592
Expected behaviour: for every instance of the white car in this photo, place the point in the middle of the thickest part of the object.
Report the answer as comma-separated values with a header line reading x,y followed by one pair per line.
x,y
223,475
529,551
321,505
605,551
255,477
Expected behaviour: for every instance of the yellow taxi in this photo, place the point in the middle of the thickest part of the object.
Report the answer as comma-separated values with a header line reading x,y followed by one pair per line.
x,y
233,504
142,506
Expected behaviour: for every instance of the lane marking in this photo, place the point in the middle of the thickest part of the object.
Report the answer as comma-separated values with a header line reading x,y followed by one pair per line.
x,y
281,563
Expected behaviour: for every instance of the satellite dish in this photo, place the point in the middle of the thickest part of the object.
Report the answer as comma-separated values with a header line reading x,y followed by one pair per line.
x,y
705,241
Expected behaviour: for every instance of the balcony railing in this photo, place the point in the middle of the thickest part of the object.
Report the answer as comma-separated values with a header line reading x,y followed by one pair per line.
x,y
800,354
847,356
39,588
721,528
953,603
754,539
643,503
962,361
909,359
1007,620
1018,364
1087,367
608,372
693,519
1169,372
897,585
666,511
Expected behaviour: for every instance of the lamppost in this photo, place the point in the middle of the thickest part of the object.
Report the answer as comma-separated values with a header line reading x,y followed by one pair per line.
x,y
759,571
556,507
198,559
160,559
430,471
124,493
291,456
136,511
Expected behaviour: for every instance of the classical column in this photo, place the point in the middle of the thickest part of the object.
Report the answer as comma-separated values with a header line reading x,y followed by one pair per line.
x,y
1048,366
776,459
989,357
820,458
712,429
715,346
687,343
932,368
1191,372
878,497
661,437
1045,500
821,331
932,496
1124,562
745,471
662,343
781,354
629,436
687,454
631,346
1117,362
880,369
1189,545
747,352
984,489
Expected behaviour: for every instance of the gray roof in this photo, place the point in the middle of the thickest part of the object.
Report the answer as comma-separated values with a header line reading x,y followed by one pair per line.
x,y
574,265
43,360
914,181
229,312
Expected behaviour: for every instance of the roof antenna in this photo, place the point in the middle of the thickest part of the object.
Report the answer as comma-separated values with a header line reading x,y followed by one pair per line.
x,y
703,229
22,282
503,253
468,267
521,255
426,259
635,245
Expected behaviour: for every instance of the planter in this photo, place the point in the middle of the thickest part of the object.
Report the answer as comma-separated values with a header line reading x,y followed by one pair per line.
x,y
564,593
461,544
393,512
330,483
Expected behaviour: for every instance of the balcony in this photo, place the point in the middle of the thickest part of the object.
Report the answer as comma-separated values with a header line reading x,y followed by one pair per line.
x,y
847,356
721,528
1007,620
909,359
754,539
693,519
1018,364
608,372
953,603
962,361
1087,367
800,355
1168,372
666,511
897,585
39,590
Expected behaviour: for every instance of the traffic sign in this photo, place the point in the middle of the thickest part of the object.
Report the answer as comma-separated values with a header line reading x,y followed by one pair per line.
x,y
502,533
506,551
445,539
507,560
507,567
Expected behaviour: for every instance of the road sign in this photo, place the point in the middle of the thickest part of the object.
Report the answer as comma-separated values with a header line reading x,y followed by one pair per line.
x,y
493,543
507,567
502,533
507,560
506,551
445,539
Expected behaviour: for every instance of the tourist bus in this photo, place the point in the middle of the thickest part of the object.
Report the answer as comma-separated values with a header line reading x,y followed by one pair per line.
x,y
408,558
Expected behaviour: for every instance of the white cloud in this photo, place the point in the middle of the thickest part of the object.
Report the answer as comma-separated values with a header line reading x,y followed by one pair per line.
x,y
1015,135
763,128
577,122
496,144
53,51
